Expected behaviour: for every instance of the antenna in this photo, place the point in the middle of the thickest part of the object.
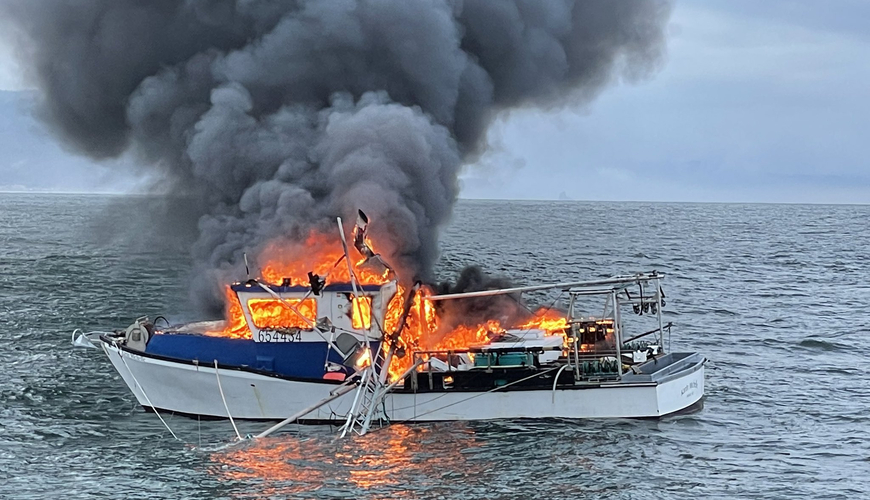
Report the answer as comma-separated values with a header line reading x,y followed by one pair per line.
x,y
247,269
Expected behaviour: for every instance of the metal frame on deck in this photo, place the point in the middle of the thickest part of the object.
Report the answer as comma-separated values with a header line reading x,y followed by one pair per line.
x,y
616,289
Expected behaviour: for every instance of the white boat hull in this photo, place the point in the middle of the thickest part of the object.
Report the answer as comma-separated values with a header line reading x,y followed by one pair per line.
x,y
197,390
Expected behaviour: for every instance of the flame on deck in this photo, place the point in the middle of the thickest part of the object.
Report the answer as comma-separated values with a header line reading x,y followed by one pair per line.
x,y
425,330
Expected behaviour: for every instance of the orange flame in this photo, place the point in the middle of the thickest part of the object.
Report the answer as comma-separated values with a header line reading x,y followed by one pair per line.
x,y
273,314
322,254
236,325
361,314
364,360
553,322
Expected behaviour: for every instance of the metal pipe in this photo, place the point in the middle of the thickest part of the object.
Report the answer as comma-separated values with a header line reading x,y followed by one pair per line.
x,y
646,300
609,281
659,311
356,295
576,340
409,371
616,334
617,320
644,334
296,416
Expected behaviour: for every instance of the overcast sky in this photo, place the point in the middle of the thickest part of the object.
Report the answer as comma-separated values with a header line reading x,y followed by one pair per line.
x,y
758,101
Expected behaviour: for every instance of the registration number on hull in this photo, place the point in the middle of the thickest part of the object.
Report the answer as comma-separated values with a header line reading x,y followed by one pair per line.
x,y
279,337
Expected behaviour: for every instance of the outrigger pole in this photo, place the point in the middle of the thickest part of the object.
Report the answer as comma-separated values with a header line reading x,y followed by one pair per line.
x,y
356,296
369,393
616,280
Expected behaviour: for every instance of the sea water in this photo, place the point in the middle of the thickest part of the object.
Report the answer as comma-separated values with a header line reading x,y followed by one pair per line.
x,y
775,296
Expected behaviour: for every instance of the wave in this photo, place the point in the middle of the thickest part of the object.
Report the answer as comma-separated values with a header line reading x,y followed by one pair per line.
x,y
823,345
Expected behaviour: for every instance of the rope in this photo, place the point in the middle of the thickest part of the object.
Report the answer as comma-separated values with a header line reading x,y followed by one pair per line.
x,y
556,380
225,400
142,389
489,391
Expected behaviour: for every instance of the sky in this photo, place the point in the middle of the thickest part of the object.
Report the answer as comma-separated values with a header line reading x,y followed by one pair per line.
x,y
756,102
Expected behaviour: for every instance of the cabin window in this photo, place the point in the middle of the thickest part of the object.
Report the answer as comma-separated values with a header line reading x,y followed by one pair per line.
x,y
361,313
271,314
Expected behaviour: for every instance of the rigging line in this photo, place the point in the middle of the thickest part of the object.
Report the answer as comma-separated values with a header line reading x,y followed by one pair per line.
x,y
329,349
332,330
516,298
399,408
284,301
373,316
548,308
337,262
146,396
311,324
489,391
353,280
225,400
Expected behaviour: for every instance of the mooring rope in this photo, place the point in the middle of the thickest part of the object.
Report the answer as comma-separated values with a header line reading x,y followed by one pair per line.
x,y
225,400
156,411
476,395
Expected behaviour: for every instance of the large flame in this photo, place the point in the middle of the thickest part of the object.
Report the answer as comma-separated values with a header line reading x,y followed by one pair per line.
x,y
361,315
320,254
424,332
424,329
291,313
236,326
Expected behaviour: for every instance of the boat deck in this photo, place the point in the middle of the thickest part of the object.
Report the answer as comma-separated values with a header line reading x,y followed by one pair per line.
x,y
654,371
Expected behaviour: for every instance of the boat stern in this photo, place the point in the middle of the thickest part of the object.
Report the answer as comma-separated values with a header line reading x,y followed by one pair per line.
x,y
679,379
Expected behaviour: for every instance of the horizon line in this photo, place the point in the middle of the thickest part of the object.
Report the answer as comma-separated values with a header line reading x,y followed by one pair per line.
x,y
550,200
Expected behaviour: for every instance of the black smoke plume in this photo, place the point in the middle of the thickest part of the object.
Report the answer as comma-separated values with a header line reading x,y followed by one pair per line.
x,y
271,117
507,309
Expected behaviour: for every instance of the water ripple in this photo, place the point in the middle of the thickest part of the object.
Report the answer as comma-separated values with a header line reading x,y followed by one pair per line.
x,y
773,295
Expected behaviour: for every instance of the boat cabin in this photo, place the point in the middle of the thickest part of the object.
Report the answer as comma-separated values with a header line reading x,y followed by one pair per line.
x,y
285,313
294,332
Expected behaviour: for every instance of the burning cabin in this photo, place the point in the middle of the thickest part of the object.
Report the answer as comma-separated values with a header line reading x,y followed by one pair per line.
x,y
288,331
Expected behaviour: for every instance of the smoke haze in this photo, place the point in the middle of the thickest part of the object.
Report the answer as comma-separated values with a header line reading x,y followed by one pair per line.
x,y
272,117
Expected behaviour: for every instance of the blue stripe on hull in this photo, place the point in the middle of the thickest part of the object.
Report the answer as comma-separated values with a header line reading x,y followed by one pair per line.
x,y
290,359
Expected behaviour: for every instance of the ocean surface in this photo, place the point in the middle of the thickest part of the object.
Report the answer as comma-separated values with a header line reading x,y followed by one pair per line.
x,y
777,297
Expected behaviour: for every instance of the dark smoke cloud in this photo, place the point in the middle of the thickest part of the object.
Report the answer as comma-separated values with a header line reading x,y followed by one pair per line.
x,y
507,309
274,116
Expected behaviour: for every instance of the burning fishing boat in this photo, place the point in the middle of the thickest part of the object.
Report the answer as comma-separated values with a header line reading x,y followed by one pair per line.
x,y
349,344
